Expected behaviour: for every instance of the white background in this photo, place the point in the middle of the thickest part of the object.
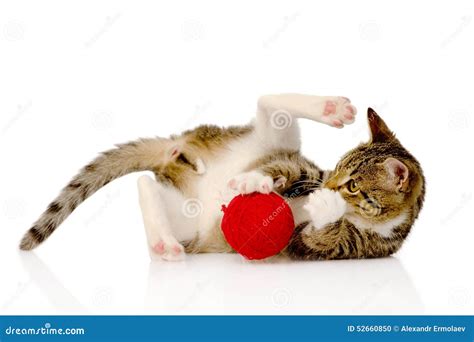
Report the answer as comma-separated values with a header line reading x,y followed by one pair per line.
x,y
75,78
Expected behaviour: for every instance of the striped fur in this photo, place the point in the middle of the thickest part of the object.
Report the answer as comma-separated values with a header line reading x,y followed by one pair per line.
x,y
342,239
171,160
302,175
141,155
339,240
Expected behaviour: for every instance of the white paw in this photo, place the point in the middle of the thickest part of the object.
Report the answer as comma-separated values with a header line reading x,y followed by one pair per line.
x,y
252,181
325,206
338,111
168,249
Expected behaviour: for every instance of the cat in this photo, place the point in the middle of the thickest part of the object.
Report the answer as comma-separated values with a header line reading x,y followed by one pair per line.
x,y
364,208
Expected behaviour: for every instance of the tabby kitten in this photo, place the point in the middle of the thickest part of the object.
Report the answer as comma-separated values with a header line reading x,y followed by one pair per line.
x,y
382,188
364,208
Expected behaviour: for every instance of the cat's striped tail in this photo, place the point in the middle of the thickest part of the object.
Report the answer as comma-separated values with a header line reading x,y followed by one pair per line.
x,y
140,155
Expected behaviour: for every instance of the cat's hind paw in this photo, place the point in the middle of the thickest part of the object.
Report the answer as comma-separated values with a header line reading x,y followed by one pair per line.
x,y
169,251
338,112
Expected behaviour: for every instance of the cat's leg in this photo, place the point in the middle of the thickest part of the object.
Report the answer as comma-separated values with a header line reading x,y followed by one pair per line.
x,y
165,219
277,128
277,115
325,207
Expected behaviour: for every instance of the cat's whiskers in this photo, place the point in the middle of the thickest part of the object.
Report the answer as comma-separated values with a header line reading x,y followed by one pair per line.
x,y
316,181
309,190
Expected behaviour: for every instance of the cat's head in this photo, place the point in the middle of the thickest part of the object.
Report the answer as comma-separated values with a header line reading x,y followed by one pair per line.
x,y
380,179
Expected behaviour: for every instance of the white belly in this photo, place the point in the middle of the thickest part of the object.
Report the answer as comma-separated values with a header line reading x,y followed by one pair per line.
x,y
212,190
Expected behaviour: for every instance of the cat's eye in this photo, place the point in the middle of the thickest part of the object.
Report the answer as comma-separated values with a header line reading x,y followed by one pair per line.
x,y
352,186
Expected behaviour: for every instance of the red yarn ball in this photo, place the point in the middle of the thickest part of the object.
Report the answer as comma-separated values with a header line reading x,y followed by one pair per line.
x,y
257,225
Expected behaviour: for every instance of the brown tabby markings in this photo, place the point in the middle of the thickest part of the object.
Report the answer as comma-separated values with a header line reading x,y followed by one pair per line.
x,y
141,155
202,142
342,240
339,240
302,176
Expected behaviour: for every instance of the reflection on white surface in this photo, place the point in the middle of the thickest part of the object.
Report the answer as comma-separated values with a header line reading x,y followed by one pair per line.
x,y
51,287
227,284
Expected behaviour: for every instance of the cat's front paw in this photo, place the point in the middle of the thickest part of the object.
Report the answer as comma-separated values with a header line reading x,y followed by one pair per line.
x,y
325,206
252,181
338,112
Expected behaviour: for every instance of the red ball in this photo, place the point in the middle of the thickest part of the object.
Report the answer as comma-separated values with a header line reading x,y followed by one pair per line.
x,y
257,225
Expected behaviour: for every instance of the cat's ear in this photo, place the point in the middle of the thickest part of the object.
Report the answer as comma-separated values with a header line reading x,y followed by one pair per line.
x,y
378,128
397,173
